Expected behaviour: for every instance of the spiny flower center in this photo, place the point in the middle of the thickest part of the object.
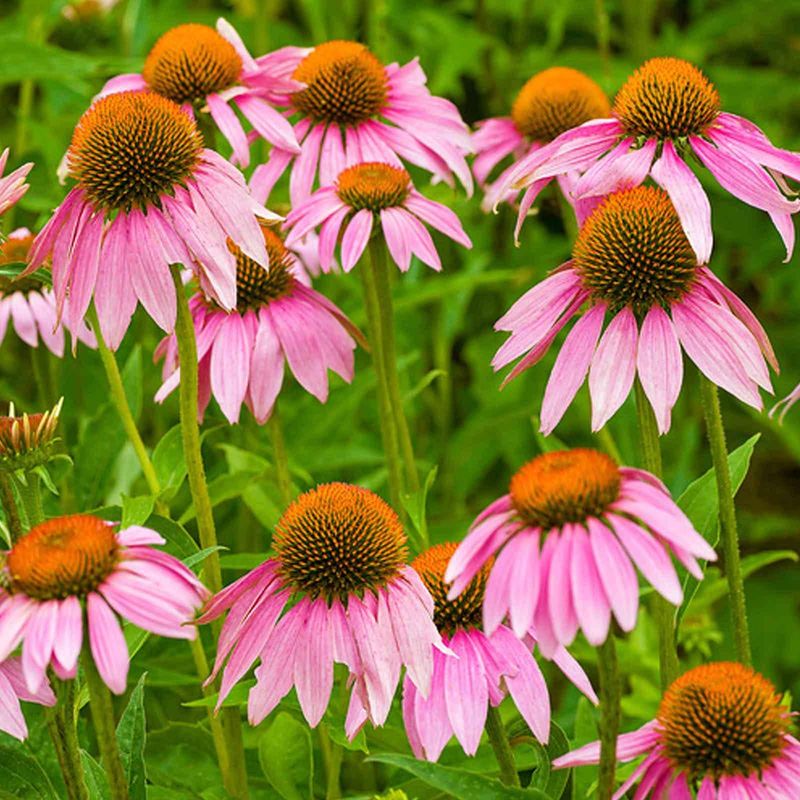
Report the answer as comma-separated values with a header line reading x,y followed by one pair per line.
x,y
339,539
564,486
555,100
465,610
373,186
632,251
15,250
256,286
131,148
722,719
345,84
62,557
667,98
190,62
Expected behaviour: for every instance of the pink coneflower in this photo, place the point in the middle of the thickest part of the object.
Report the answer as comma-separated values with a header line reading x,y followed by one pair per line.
x,y
486,669
29,305
665,113
200,68
12,690
551,102
278,320
148,195
567,536
340,555
633,263
13,186
363,195
70,566
352,109
721,733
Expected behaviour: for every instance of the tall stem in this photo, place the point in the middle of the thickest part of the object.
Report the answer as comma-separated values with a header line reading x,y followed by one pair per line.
x,y
498,739
236,776
609,716
61,726
10,507
727,518
332,754
380,266
120,401
375,322
30,497
280,457
662,611
105,729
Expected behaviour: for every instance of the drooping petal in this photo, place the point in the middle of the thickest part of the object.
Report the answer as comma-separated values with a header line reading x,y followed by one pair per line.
x,y
109,650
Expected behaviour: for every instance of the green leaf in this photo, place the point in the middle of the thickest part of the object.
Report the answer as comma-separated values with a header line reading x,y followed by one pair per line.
x,y
552,781
23,776
182,757
95,775
459,783
131,735
136,510
201,556
416,506
585,732
169,462
287,757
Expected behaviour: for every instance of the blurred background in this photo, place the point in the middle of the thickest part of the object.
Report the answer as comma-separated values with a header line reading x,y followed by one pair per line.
x,y
469,436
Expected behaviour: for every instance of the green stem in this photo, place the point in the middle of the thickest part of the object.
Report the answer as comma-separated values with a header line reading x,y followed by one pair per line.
x,y
380,267
332,754
727,518
61,726
280,457
236,777
105,729
10,507
30,498
661,610
120,401
375,322
498,739
610,694
603,33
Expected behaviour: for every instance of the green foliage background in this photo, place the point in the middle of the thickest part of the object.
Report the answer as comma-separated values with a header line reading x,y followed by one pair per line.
x,y
479,54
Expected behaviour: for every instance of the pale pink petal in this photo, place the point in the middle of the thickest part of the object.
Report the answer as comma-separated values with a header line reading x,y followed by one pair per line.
x,y
466,692
313,663
592,606
109,650
230,366
355,238
660,365
227,121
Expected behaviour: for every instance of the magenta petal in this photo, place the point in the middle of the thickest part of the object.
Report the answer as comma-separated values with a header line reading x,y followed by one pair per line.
x,y
561,602
524,587
355,238
230,366
109,650
313,663
466,692
592,607
67,645
231,128
659,364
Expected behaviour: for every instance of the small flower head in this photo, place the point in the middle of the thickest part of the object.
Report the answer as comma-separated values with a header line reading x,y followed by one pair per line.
x,y
564,542
555,100
721,731
74,568
28,441
373,187
257,287
668,98
345,84
190,62
13,186
339,552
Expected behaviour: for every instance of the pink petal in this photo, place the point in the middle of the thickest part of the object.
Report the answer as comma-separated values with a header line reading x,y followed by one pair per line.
x,y
230,366
313,664
109,650
592,607
466,692
355,238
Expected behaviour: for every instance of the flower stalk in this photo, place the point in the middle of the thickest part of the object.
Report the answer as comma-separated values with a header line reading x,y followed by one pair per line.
x,y
63,733
610,694
280,457
727,519
498,739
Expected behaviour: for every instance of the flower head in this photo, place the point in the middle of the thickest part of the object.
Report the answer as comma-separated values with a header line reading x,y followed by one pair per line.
x,y
278,320
351,108
203,69
72,566
340,555
12,690
363,195
30,305
721,731
485,670
632,262
666,112
551,102
13,186
148,195
27,441
565,540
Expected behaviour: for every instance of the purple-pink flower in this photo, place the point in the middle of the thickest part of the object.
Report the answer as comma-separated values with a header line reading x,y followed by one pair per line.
x,y
29,305
201,69
76,570
665,115
340,561
13,186
551,102
565,540
633,265
352,109
13,689
364,196
721,733
148,195
278,320
486,669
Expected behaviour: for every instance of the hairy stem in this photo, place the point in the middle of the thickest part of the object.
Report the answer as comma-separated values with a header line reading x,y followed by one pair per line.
x,y
609,717
498,739
62,730
10,507
280,457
